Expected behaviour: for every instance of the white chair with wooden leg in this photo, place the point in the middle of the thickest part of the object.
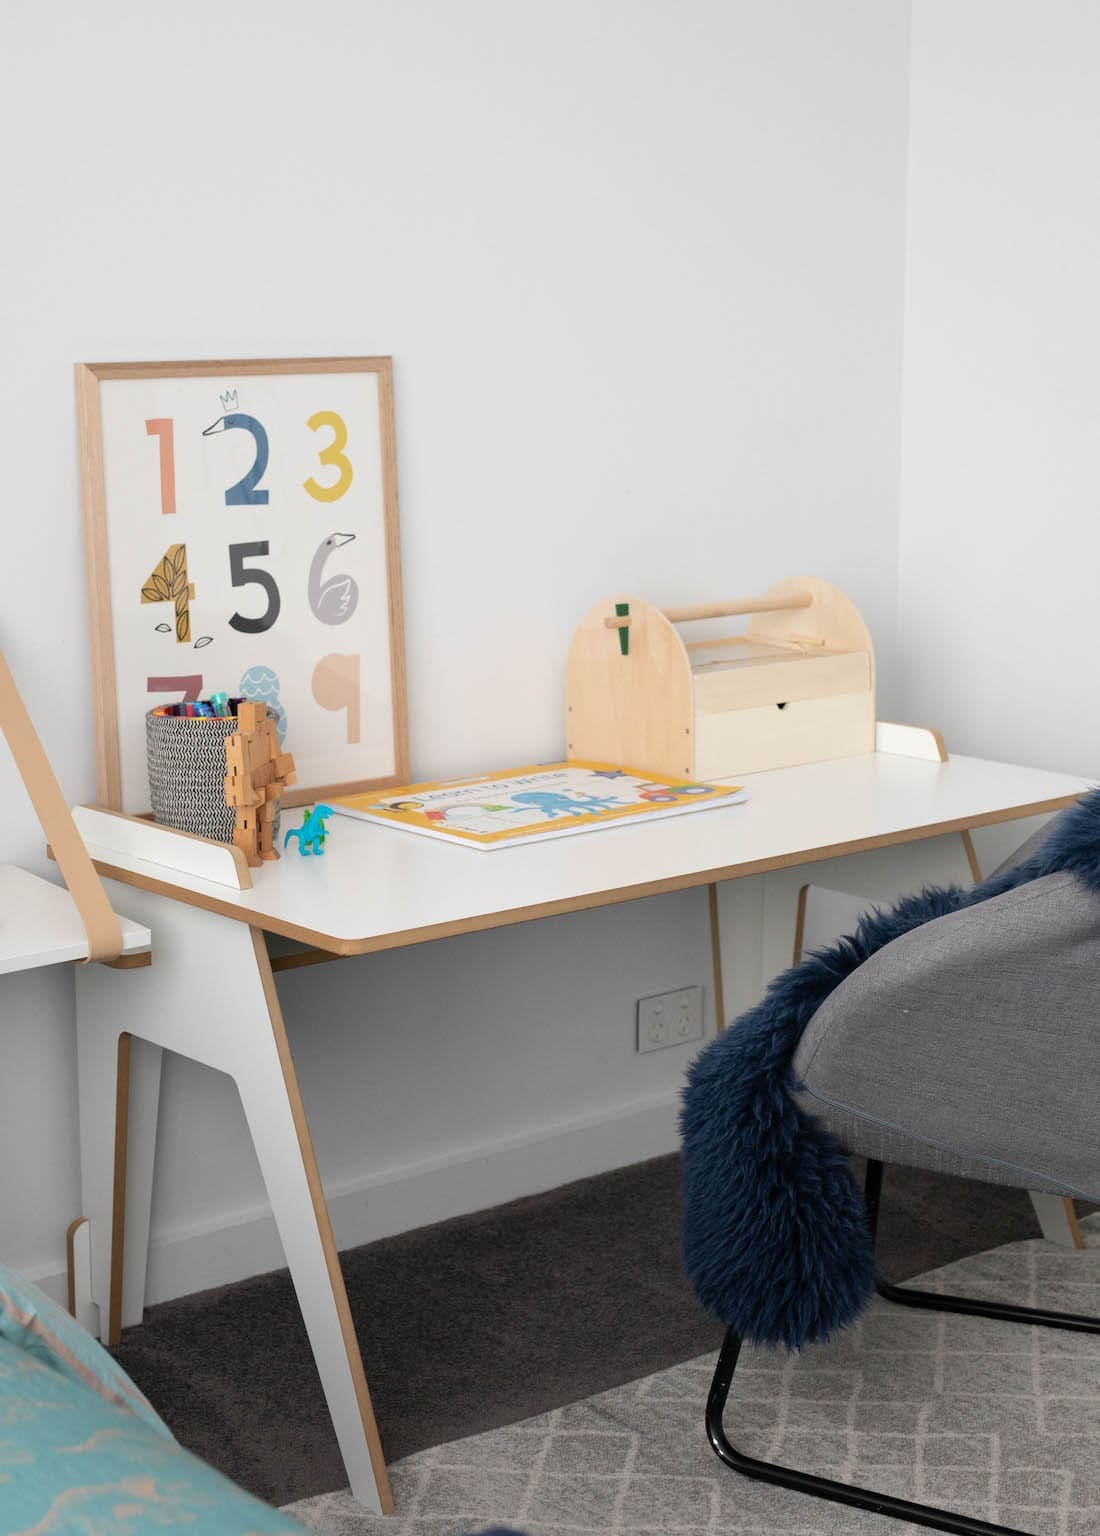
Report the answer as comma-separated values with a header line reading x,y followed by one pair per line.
x,y
43,924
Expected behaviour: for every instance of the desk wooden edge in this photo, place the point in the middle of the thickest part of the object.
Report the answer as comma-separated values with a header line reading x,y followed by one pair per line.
x,y
329,947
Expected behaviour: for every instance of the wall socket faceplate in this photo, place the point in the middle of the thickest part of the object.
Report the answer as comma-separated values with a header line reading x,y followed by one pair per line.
x,y
670,1018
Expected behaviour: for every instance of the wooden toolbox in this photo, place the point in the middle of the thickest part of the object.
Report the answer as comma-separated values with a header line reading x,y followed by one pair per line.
x,y
797,687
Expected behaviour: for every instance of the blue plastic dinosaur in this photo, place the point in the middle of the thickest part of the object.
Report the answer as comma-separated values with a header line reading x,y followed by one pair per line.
x,y
311,834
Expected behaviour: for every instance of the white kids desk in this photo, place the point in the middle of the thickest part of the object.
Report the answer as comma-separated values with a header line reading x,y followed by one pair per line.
x,y
380,888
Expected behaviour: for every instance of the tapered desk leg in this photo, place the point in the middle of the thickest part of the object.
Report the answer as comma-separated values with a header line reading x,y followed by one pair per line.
x,y
280,1135
235,1025
139,1153
118,1081
715,922
1058,1220
103,1079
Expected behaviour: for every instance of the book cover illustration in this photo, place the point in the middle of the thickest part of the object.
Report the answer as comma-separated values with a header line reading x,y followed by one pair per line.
x,y
522,804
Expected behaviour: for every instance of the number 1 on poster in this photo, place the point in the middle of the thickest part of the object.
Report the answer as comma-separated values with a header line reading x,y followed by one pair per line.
x,y
163,427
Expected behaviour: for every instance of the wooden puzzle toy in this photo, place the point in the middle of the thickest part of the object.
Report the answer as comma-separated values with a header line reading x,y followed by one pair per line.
x,y
256,773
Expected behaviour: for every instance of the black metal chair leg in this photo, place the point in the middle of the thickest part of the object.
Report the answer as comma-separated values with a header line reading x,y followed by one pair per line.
x,y
823,1487
931,1301
846,1493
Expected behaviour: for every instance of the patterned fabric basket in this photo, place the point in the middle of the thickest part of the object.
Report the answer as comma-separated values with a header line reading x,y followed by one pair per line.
x,y
187,773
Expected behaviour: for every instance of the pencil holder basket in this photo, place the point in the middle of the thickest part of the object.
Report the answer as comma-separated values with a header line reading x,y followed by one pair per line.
x,y
186,757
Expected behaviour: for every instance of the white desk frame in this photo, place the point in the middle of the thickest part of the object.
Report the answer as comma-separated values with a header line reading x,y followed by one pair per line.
x,y
379,888
41,924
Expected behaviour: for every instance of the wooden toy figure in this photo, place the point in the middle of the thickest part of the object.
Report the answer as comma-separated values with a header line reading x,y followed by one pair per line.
x,y
257,772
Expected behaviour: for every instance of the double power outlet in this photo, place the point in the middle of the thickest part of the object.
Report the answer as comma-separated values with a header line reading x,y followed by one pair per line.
x,y
670,1018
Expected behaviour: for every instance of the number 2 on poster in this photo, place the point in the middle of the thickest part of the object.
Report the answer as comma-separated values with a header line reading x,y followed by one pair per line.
x,y
246,492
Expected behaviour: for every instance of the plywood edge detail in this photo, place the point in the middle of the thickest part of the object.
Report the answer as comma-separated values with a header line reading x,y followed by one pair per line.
x,y
1073,1223
295,959
610,896
714,913
137,960
971,856
118,1190
800,924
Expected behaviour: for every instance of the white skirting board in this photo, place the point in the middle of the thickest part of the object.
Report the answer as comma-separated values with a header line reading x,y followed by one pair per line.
x,y
400,1199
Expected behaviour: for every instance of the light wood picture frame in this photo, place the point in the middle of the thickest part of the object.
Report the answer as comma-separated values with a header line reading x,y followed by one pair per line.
x,y
241,535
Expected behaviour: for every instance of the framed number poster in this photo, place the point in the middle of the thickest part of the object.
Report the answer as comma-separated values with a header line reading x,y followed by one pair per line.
x,y
241,536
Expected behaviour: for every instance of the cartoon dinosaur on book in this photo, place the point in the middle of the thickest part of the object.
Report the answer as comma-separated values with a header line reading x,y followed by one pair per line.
x,y
552,803
312,833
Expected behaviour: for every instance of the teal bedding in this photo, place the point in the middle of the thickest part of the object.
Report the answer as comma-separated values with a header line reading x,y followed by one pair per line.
x,y
81,1451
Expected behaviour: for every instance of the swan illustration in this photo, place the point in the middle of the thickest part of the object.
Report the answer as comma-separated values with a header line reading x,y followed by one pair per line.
x,y
334,600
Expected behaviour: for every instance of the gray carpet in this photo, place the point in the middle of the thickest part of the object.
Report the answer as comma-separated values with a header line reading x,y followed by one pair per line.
x,y
486,1320
993,1420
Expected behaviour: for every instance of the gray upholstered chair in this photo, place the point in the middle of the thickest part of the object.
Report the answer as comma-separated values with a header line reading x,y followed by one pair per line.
x,y
969,1044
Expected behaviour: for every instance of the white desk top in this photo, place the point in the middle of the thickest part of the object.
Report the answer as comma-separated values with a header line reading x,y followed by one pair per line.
x,y
379,887
40,925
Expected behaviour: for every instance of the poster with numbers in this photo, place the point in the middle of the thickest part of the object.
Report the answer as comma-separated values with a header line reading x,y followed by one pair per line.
x,y
242,537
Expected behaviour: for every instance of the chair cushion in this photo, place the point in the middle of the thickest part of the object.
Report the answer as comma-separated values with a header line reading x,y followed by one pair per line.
x,y
868,1138
971,1044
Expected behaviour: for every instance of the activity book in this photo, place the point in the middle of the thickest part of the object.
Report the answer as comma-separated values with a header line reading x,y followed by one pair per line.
x,y
496,810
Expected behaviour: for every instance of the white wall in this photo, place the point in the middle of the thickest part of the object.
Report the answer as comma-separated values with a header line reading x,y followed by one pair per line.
x,y
1000,537
640,269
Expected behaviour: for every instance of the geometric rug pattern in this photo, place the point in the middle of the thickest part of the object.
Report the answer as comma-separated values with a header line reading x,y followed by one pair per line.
x,y
991,1419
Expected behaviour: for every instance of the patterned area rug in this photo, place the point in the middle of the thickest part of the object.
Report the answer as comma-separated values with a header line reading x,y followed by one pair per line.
x,y
994,1420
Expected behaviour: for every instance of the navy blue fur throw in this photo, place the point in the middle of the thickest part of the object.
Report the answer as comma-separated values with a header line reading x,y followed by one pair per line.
x,y
775,1233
